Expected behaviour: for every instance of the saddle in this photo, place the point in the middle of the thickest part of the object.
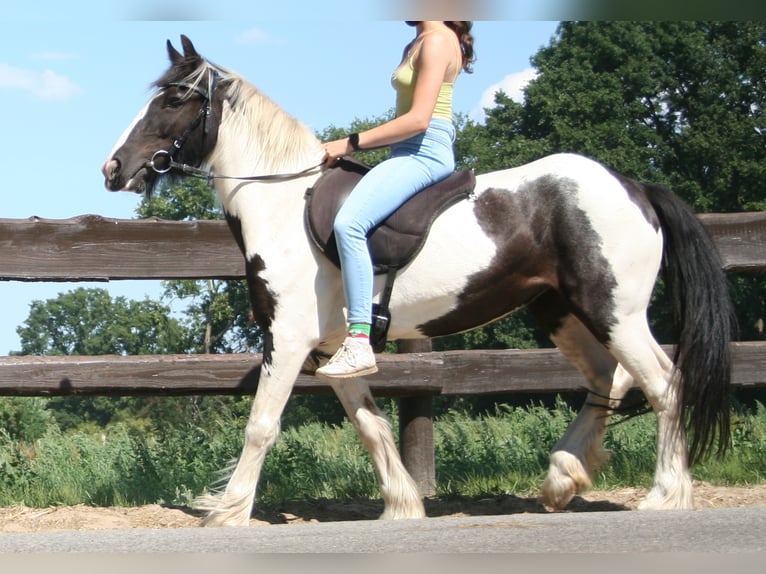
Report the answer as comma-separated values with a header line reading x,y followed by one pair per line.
x,y
393,243
398,239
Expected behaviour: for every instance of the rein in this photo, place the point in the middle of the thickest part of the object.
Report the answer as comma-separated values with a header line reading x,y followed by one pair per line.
x,y
170,164
164,161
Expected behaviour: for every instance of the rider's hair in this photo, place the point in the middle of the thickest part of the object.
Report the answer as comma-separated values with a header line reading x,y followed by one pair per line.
x,y
463,31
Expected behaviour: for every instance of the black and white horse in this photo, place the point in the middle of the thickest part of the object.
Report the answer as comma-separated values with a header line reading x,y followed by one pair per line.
x,y
581,246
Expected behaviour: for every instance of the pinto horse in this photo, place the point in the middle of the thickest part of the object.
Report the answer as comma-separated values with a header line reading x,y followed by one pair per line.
x,y
576,243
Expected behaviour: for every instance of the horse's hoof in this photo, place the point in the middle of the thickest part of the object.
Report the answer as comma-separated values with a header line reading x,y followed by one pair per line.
x,y
566,478
677,498
217,514
558,492
413,512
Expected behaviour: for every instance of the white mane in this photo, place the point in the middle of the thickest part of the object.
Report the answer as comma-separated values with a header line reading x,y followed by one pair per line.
x,y
273,140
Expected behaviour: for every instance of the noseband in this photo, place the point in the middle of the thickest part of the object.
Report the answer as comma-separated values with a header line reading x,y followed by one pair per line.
x,y
164,161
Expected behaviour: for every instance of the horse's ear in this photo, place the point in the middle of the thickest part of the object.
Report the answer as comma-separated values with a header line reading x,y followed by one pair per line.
x,y
188,47
175,55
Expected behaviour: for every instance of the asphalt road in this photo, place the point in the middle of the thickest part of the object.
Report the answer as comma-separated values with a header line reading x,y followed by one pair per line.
x,y
729,530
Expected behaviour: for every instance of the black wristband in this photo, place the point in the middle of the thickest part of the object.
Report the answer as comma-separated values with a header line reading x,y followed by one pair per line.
x,y
353,139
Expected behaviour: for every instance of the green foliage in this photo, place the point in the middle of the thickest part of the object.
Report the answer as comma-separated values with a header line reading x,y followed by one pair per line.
x,y
676,103
24,419
318,461
182,199
505,452
746,466
90,322
218,312
516,331
370,157
218,315
749,296
632,444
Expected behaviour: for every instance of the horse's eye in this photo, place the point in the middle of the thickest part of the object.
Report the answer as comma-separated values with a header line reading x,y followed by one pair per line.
x,y
174,102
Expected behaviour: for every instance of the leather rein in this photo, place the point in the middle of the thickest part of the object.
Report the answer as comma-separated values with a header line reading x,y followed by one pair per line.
x,y
164,161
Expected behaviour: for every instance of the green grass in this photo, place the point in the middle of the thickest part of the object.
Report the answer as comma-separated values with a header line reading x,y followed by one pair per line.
x,y
505,452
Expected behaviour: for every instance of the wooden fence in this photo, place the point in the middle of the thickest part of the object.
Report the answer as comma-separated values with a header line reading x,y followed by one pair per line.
x,y
92,248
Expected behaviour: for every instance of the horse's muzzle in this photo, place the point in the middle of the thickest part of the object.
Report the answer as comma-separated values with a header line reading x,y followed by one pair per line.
x,y
115,180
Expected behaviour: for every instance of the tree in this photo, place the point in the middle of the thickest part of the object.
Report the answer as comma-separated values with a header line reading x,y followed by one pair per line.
x,y
218,311
677,103
90,322
370,157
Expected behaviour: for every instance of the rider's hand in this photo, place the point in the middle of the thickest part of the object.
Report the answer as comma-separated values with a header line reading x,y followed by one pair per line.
x,y
336,149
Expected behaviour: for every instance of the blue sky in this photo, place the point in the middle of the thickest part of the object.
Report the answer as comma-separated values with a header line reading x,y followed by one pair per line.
x,y
73,75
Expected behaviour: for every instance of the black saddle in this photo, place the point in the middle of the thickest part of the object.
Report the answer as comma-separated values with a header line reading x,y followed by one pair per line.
x,y
397,240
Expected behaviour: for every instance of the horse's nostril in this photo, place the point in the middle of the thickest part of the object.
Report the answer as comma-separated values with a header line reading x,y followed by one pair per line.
x,y
113,168
111,171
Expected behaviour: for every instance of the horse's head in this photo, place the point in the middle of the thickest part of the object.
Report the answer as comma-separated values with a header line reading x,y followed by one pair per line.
x,y
179,125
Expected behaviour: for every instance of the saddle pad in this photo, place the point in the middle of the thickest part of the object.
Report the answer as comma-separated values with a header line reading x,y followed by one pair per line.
x,y
396,240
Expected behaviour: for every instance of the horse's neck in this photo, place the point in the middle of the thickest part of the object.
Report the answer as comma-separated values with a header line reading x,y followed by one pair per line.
x,y
251,145
259,138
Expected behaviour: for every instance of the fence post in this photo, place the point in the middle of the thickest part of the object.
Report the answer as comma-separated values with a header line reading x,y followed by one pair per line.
x,y
416,429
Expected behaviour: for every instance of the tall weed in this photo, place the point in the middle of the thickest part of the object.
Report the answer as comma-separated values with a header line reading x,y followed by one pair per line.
x,y
506,452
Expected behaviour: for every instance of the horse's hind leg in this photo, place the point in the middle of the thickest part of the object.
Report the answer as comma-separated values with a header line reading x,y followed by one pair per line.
x,y
401,496
579,452
636,348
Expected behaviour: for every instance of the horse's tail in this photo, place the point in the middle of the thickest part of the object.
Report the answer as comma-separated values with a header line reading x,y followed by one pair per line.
x,y
703,320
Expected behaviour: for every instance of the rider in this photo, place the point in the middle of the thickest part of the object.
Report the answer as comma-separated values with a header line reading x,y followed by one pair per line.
x,y
421,137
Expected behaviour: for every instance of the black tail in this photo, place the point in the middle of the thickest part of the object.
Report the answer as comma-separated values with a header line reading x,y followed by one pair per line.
x,y
704,322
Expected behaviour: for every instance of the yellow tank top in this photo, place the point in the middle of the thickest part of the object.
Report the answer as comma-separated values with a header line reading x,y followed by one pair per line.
x,y
403,80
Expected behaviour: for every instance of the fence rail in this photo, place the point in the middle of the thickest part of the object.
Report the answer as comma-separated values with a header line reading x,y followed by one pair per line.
x,y
474,372
93,248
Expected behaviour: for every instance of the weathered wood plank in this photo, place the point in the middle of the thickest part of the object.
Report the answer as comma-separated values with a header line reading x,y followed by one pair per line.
x,y
548,371
187,375
740,239
413,374
93,248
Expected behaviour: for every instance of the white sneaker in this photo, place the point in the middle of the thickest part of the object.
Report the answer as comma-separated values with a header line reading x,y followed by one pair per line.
x,y
355,358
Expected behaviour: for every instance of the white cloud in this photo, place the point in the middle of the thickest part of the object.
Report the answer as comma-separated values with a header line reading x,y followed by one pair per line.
x,y
512,85
47,85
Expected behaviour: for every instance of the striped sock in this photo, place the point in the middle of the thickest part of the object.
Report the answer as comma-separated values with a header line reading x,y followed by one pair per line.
x,y
359,330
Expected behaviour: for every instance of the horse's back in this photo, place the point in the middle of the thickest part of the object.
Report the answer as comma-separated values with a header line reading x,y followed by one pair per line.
x,y
568,185
566,219
564,167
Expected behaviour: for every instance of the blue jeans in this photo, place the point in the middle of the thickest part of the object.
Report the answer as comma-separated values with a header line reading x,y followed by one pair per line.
x,y
413,165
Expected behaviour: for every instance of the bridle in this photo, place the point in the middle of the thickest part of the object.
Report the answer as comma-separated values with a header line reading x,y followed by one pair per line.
x,y
164,161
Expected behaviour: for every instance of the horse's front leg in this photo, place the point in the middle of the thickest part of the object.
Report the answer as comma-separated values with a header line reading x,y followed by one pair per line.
x,y
233,507
401,496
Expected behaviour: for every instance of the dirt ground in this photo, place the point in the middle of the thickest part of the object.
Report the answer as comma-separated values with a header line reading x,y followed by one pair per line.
x,y
24,519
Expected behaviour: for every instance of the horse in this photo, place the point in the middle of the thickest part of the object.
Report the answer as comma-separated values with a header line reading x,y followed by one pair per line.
x,y
577,244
